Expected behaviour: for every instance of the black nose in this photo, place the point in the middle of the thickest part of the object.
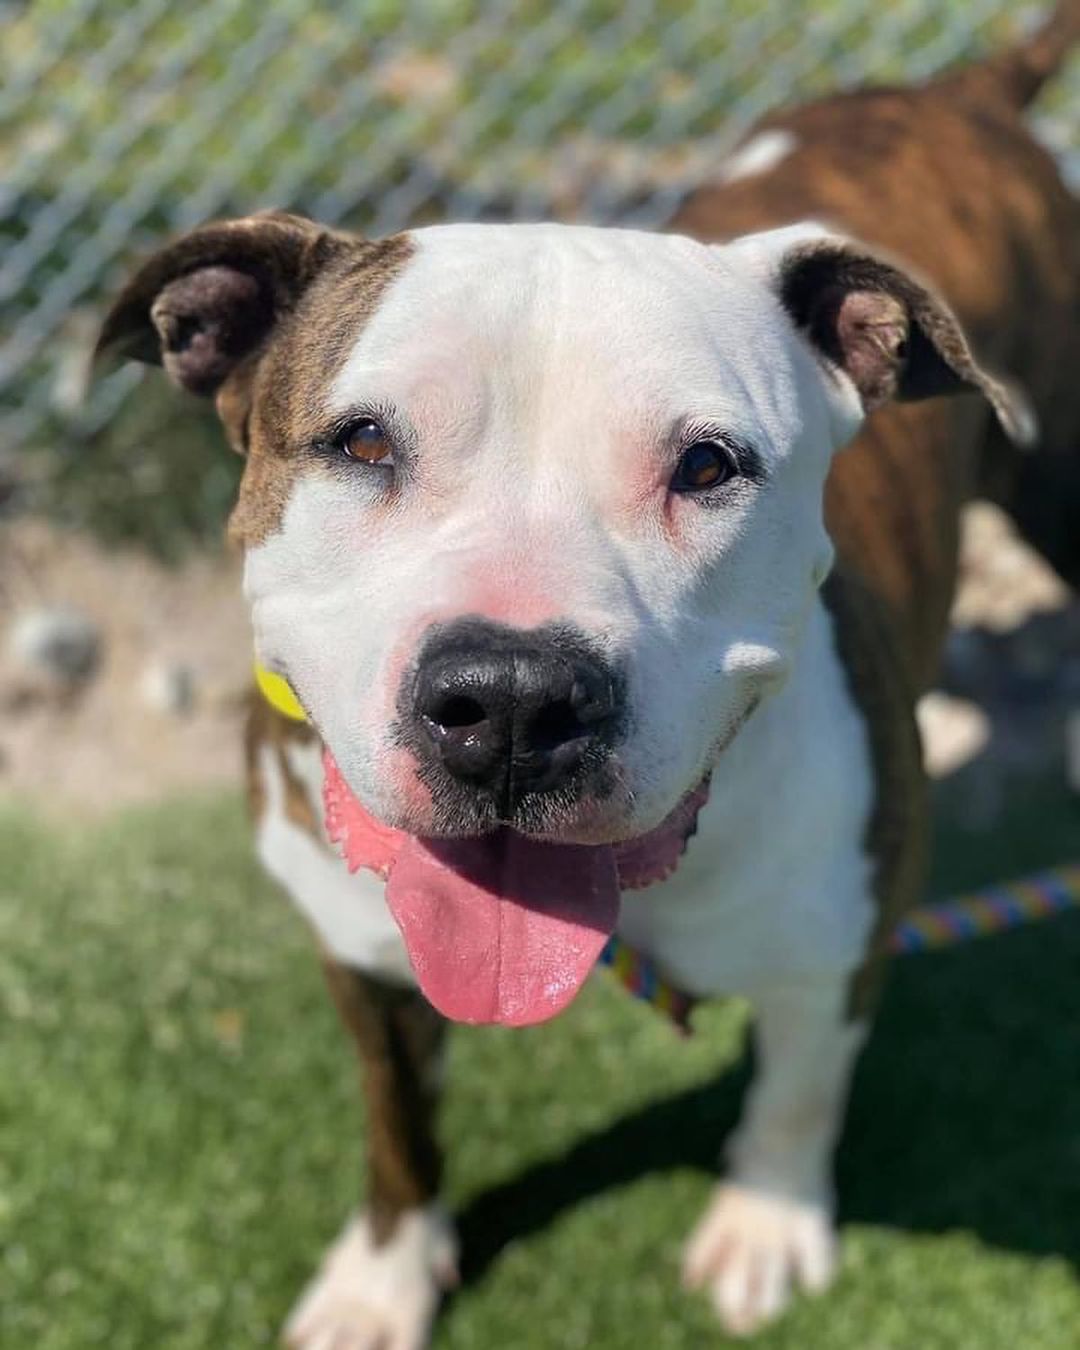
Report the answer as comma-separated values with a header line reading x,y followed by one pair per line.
x,y
513,712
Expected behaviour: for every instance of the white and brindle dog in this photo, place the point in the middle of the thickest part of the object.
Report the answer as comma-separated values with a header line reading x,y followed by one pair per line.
x,y
540,529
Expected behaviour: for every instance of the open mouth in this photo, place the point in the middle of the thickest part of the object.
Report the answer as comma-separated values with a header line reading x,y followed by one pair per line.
x,y
503,927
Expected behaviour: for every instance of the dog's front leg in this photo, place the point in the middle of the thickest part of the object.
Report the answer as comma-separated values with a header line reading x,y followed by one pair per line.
x,y
380,1284
768,1228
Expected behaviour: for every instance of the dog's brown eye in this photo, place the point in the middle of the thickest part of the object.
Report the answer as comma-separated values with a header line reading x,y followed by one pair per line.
x,y
705,464
368,442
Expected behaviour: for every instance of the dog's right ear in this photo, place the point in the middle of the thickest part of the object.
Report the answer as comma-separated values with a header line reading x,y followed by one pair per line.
x,y
207,302
869,318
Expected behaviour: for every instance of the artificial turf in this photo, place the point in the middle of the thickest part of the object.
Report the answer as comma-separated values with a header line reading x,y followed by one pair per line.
x,y
179,1130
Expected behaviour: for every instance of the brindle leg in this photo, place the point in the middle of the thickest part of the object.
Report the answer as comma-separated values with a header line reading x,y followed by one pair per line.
x,y
381,1282
399,1038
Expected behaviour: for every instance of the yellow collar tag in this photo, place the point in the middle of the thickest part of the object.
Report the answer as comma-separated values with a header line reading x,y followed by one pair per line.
x,y
278,693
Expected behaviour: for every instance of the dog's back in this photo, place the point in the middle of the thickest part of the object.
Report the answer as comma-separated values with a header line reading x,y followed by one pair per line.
x,y
947,178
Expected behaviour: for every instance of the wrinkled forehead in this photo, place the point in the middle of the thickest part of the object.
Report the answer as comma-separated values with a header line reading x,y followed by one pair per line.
x,y
502,312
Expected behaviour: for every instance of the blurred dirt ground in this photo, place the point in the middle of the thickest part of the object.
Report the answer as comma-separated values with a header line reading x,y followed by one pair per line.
x,y
160,711
111,739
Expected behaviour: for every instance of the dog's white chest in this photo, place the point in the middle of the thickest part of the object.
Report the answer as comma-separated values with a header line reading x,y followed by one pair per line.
x,y
776,883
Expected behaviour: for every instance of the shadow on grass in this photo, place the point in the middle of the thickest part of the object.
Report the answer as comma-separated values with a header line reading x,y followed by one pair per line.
x,y
682,1131
965,1112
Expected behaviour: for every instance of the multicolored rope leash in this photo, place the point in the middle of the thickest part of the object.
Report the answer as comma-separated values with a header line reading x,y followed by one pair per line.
x,y
994,909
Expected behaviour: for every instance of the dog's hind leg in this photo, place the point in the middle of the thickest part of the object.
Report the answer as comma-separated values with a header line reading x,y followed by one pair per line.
x,y
768,1229
381,1282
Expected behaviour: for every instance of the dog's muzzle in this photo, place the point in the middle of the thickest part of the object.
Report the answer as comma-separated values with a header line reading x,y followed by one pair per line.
x,y
510,714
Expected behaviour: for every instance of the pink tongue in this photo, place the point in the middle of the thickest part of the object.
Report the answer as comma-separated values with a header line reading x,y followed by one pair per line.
x,y
504,928
498,929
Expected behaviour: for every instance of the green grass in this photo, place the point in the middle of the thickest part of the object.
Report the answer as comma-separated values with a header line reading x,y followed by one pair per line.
x,y
179,1136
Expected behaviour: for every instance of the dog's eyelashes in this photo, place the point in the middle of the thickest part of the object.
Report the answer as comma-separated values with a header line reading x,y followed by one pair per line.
x,y
367,442
704,465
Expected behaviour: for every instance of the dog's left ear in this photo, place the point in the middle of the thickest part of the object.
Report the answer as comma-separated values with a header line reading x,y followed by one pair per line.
x,y
867,316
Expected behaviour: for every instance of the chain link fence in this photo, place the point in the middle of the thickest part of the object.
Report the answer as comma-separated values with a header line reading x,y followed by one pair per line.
x,y
123,121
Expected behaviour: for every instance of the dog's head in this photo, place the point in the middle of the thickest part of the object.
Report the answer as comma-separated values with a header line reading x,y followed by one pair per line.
x,y
533,514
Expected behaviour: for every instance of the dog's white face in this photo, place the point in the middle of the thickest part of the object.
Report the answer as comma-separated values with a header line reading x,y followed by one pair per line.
x,y
612,436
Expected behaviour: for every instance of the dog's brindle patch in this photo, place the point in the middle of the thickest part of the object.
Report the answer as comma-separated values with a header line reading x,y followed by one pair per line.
x,y
261,313
399,1038
265,726
274,395
898,831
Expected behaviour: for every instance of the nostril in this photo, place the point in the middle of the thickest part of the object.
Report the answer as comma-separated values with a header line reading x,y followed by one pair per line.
x,y
592,701
554,725
457,711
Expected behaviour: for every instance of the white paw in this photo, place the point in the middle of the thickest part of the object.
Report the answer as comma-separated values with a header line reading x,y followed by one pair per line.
x,y
368,1297
751,1250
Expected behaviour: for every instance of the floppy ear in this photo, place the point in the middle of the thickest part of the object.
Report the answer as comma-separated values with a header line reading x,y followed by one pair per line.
x,y
206,303
867,316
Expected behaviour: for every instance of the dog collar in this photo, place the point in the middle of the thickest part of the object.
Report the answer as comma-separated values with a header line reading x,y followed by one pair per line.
x,y
279,694
639,975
